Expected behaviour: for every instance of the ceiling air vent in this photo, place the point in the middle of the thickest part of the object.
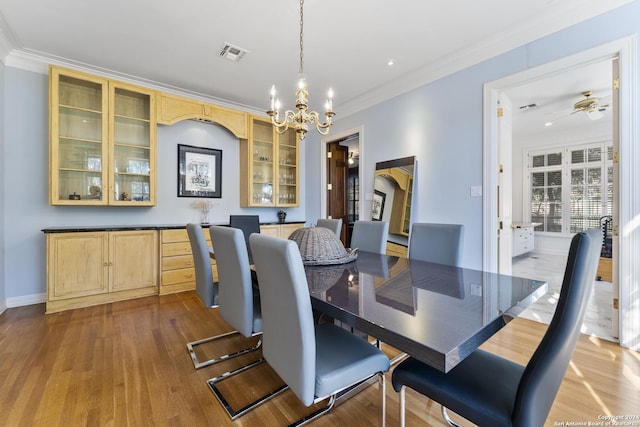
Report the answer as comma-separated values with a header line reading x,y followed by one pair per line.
x,y
231,52
527,106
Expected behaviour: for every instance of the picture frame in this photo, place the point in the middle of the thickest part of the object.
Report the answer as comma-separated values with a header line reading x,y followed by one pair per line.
x,y
377,205
199,172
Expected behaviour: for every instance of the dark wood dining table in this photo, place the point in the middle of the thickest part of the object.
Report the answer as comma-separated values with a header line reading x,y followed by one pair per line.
x,y
437,313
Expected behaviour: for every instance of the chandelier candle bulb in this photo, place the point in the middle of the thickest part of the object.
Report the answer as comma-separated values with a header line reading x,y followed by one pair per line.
x,y
273,95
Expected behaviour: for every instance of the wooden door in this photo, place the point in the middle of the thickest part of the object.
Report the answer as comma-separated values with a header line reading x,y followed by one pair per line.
x,y
337,174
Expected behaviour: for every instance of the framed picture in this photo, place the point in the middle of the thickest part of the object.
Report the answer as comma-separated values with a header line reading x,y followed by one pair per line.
x,y
377,206
199,172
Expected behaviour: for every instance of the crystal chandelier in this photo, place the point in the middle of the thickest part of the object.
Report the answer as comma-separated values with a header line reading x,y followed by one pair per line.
x,y
300,119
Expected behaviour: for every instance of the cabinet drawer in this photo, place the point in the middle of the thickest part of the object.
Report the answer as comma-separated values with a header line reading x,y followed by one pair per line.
x,y
180,235
178,276
175,249
395,249
172,236
177,262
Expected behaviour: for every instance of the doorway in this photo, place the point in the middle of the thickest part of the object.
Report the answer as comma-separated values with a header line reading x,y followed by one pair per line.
x,y
628,290
345,201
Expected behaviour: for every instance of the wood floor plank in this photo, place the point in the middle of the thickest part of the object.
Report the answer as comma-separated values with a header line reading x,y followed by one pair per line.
x,y
126,364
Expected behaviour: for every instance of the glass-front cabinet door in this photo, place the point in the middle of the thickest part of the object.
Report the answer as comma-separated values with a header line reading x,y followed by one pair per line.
x,y
262,161
288,159
132,146
79,129
268,166
102,148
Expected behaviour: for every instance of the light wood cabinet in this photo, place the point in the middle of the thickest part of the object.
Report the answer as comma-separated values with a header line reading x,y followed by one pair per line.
x,y
172,109
89,268
102,141
177,272
280,230
269,173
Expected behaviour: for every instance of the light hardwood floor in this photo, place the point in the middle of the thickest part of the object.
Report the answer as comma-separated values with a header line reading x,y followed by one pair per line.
x,y
126,364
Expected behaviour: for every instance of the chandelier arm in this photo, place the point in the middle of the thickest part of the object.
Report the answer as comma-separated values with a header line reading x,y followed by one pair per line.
x,y
315,118
288,117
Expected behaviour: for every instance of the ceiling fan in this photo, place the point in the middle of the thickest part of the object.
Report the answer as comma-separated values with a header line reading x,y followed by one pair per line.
x,y
592,106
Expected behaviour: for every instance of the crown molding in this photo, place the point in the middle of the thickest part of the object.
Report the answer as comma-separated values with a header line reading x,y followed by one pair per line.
x,y
7,40
39,62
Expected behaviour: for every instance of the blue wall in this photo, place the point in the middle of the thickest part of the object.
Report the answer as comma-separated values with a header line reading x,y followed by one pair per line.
x,y
441,124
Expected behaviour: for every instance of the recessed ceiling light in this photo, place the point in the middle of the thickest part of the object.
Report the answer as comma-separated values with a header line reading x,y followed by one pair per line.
x,y
548,124
390,62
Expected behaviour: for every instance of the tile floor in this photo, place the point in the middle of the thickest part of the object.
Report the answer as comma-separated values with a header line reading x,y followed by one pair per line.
x,y
550,267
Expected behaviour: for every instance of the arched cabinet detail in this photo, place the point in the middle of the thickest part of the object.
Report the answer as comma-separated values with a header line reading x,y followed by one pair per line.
x,y
173,109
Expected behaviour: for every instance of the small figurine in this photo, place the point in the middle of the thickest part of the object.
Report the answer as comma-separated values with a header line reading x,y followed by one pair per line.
x,y
124,196
95,191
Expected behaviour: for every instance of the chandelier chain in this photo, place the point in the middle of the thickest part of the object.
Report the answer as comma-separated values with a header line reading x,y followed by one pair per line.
x,y
301,70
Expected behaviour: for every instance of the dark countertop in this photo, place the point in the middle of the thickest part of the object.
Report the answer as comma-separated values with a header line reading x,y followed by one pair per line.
x,y
88,228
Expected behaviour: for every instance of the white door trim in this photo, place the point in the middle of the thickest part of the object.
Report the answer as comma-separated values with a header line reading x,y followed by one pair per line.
x,y
629,214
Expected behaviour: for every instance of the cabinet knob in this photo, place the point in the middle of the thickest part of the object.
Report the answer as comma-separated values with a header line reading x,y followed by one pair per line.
x,y
106,264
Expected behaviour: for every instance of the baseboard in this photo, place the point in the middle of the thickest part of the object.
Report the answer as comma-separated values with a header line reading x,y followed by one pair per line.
x,y
3,306
26,300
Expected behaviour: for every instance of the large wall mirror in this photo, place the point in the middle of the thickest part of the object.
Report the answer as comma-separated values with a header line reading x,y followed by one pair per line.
x,y
393,196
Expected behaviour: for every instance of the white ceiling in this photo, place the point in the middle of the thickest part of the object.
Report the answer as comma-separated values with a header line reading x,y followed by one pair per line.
x,y
551,100
174,44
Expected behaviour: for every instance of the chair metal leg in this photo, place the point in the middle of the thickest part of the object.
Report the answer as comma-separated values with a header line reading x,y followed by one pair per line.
x,y
383,386
332,401
201,364
233,413
402,403
447,419
316,414
398,358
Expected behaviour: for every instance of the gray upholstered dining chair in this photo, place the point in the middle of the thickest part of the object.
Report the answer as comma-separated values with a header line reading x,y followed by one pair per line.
x,y
439,243
239,306
249,224
489,390
208,292
370,236
316,361
334,225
